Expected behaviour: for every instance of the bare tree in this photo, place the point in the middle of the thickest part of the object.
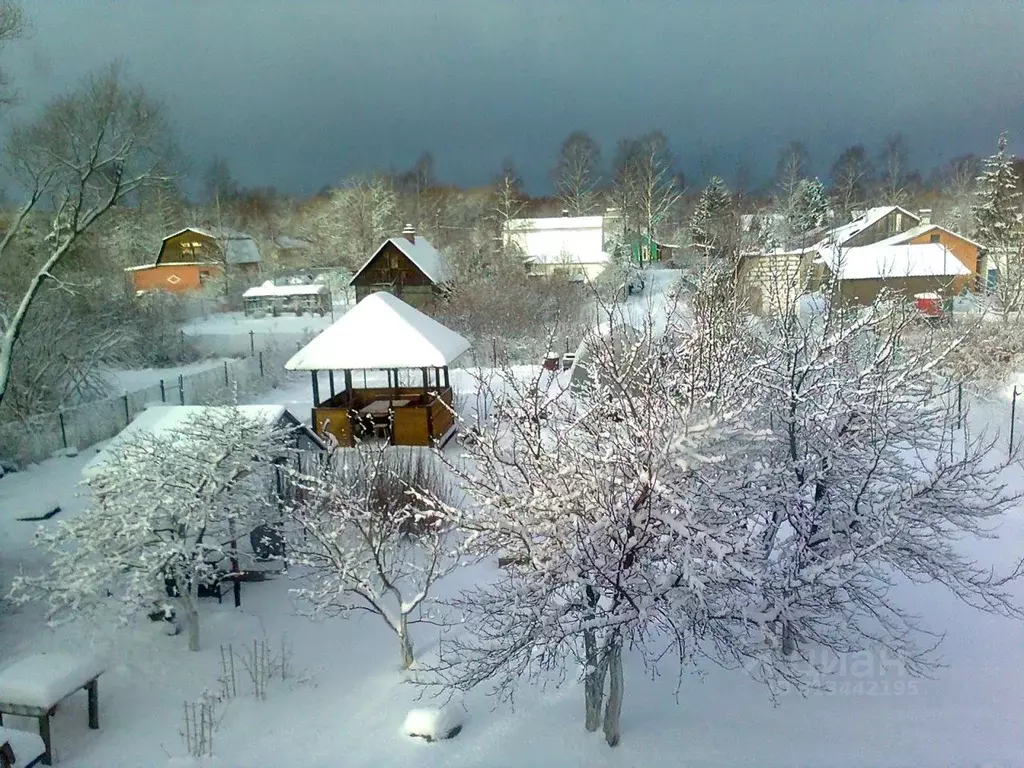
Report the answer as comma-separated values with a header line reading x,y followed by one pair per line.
x,y
508,202
369,534
893,162
957,181
576,173
88,151
646,185
851,177
793,166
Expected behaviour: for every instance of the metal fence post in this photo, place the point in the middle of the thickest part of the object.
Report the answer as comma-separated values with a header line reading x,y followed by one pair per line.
x,y
163,392
252,342
494,350
63,430
1013,417
182,336
127,412
261,364
227,381
181,389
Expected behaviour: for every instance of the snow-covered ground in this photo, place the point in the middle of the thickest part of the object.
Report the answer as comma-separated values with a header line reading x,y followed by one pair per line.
x,y
345,702
142,378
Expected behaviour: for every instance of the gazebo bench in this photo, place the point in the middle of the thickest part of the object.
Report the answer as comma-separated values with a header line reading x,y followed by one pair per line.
x,y
34,686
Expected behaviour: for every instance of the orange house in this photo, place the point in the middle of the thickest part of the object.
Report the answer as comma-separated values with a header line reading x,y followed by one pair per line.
x,y
966,251
190,258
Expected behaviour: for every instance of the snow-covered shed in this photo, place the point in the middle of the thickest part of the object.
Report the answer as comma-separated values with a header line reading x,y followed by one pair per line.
x,y
383,333
298,298
171,420
408,267
572,244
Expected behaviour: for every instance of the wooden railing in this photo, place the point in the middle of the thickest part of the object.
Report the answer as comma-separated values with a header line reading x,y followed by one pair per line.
x,y
426,418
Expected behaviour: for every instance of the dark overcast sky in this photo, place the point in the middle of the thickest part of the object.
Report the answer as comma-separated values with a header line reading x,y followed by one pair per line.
x,y
299,93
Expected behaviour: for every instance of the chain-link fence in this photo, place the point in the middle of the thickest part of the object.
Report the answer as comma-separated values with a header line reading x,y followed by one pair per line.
x,y
42,436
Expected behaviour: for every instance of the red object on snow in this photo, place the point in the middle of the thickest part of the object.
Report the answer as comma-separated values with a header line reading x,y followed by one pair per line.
x,y
929,304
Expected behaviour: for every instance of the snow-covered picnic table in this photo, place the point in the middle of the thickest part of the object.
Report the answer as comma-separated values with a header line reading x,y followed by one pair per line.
x,y
35,685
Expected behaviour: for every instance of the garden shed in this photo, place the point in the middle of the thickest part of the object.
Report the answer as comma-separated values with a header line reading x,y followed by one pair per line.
x,y
276,299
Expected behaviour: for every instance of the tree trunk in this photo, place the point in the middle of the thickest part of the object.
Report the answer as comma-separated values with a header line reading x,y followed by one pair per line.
x,y
190,603
403,637
613,709
593,685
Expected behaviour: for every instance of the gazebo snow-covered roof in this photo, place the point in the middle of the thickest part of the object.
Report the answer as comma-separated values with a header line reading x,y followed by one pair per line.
x,y
380,332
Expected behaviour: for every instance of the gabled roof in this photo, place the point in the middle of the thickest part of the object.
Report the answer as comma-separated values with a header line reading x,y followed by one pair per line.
x,y
426,257
879,262
239,248
166,420
842,234
559,239
379,332
922,229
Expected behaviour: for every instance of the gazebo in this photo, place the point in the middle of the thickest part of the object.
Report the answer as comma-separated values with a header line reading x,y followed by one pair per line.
x,y
383,333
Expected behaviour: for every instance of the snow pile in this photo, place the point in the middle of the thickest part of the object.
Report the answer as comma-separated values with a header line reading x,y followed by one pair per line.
x,y
46,678
433,724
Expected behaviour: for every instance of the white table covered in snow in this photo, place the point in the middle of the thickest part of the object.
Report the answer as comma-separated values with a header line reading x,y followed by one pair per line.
x,y
35,685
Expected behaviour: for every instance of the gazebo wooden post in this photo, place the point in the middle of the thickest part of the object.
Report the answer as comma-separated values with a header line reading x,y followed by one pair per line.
x,y
389,378
396,384
446,381
330,378
426,380
437,378
316,388
348,381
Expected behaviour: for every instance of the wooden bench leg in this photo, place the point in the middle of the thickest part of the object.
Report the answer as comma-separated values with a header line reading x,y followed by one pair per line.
x,y
92,689
44,734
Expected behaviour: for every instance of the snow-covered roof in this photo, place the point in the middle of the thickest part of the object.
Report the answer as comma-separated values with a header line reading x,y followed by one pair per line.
x,y
877,261
161,420
381,331
923,229
241,249
559,239
268,289
140,267
183,230
841,234
421,253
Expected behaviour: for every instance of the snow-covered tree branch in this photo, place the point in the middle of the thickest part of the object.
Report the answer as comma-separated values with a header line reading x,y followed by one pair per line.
x,y
88,151
369,533
166,506
759,518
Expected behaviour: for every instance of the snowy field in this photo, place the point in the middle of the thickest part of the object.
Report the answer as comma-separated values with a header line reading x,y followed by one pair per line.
x,y
345,702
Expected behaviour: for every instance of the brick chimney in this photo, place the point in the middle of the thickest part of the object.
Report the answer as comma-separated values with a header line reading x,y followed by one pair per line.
x,y
925,215
409,233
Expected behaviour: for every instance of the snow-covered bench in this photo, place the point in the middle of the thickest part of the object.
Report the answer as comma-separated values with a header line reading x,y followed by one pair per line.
x,y
26,748
35,685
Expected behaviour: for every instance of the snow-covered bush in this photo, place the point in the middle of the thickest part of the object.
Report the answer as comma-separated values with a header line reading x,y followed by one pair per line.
x,y
433,724
369,533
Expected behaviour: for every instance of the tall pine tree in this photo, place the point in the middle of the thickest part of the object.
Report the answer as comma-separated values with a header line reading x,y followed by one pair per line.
x,y
998,225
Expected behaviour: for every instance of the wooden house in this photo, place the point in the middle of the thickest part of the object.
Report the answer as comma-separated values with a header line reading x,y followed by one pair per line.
x,y
191,258
413,405
408,267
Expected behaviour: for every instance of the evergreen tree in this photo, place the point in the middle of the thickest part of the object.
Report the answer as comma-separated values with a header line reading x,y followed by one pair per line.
x,y
808,207
706,226
997,217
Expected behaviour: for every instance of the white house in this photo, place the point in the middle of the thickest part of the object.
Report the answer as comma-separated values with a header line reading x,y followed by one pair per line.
x,y
573,244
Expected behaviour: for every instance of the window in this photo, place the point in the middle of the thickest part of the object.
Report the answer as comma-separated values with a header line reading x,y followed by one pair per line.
x,y
935,238
204,276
